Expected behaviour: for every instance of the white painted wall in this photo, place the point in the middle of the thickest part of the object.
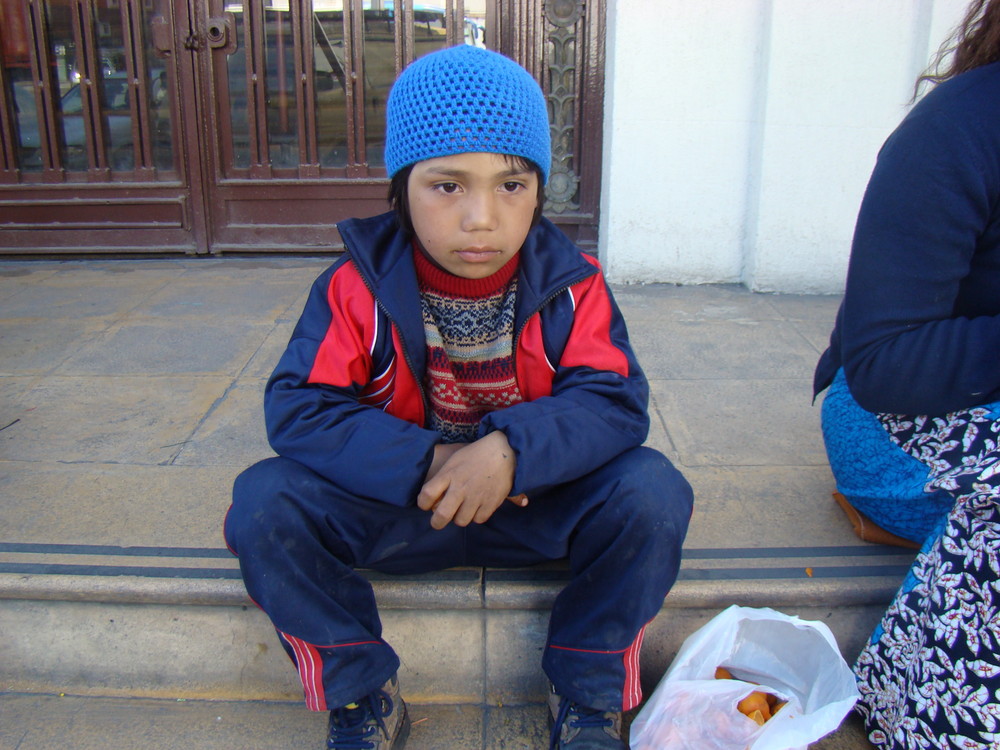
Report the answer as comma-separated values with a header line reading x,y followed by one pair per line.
x,y
740,134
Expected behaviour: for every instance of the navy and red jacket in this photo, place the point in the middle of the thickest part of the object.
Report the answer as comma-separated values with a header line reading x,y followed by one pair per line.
x,y
347,397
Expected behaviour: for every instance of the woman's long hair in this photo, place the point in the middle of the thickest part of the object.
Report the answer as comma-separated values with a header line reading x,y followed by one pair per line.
x,y
974,42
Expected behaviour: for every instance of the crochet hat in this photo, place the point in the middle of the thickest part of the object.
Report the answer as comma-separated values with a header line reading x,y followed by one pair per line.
x,y
466,99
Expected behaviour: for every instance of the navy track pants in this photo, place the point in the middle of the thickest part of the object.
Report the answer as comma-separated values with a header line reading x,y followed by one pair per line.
x,y
299,538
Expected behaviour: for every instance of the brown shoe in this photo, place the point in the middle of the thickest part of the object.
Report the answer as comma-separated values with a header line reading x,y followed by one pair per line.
x,y
867,530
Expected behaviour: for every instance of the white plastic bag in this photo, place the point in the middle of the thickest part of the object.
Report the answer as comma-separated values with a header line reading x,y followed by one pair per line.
x,y
794,659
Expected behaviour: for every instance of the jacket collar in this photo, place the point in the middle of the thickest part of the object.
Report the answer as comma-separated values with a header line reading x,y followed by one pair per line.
x,y
549,260
383,255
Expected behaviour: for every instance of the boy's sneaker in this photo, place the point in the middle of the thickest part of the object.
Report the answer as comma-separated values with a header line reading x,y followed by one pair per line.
x,y
580,728
378,721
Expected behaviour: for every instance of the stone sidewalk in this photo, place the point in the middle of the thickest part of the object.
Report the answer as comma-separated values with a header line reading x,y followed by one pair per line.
x,y
130,397
137,385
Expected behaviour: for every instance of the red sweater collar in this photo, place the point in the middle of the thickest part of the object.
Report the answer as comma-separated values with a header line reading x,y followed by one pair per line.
x,y
439,280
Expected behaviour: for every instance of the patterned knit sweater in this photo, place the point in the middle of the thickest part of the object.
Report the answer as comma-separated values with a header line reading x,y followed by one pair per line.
x,y
469,329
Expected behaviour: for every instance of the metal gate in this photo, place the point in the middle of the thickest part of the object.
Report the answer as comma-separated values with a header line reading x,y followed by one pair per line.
x,y
212,126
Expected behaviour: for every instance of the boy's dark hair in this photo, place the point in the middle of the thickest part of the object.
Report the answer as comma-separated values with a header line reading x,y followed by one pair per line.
x,y
399,200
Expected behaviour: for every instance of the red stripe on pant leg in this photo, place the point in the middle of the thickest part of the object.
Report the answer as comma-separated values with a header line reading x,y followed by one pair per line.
x,y
632,688
632,692
310,669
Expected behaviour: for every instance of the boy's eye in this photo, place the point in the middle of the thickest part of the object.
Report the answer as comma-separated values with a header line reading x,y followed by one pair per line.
x,y
447,187
512,187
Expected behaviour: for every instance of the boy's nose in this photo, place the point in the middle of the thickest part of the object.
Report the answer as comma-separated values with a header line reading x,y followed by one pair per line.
x,y
480,213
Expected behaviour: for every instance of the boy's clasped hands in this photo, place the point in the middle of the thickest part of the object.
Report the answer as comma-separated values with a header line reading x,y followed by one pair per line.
x,y
467,482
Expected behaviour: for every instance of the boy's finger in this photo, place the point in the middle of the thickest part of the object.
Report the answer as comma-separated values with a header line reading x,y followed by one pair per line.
x,y
444,512
484,513
426,501
467,513
431,493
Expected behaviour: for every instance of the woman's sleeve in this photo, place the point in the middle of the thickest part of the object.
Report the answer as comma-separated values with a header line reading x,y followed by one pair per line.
x,y
931,196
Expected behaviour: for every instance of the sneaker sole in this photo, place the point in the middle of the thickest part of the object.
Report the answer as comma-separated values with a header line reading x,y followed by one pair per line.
x,y
404,731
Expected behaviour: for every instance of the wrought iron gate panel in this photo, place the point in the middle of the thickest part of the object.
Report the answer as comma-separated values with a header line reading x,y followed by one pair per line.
x,y
89,96
89,126
317,74
252,125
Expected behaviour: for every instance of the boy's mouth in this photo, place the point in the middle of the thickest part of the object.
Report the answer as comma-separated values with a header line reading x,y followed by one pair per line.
x,y
478,254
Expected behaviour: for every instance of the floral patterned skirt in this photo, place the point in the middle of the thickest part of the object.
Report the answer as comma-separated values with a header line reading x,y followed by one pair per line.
x,y
930,676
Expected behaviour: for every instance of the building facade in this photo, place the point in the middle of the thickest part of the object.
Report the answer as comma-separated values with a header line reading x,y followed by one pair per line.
x,y
715,141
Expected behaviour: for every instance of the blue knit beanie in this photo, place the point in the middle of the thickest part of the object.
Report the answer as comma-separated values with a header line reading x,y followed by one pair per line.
x,y
466,99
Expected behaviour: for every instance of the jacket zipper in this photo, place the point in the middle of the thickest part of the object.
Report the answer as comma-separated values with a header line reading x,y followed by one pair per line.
x,y
538,308
514,344
406,356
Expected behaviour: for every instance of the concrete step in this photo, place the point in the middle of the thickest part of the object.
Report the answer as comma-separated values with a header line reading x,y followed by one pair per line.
x,y
169,622
43,722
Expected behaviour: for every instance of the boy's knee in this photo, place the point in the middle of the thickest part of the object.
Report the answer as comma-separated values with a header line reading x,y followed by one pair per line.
x,y
260,496
654,493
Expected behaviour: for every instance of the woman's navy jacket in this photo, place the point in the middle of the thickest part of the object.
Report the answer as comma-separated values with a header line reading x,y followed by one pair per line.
x,y
918,331
347,397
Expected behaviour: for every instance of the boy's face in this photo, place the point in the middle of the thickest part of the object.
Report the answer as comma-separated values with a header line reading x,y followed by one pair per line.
x,y
471,212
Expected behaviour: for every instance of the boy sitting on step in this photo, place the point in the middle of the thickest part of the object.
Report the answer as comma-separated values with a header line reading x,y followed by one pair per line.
x,y
460,391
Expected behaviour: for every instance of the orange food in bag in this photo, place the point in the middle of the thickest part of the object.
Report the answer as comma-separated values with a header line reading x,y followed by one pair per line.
x,y
755,706
759,706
